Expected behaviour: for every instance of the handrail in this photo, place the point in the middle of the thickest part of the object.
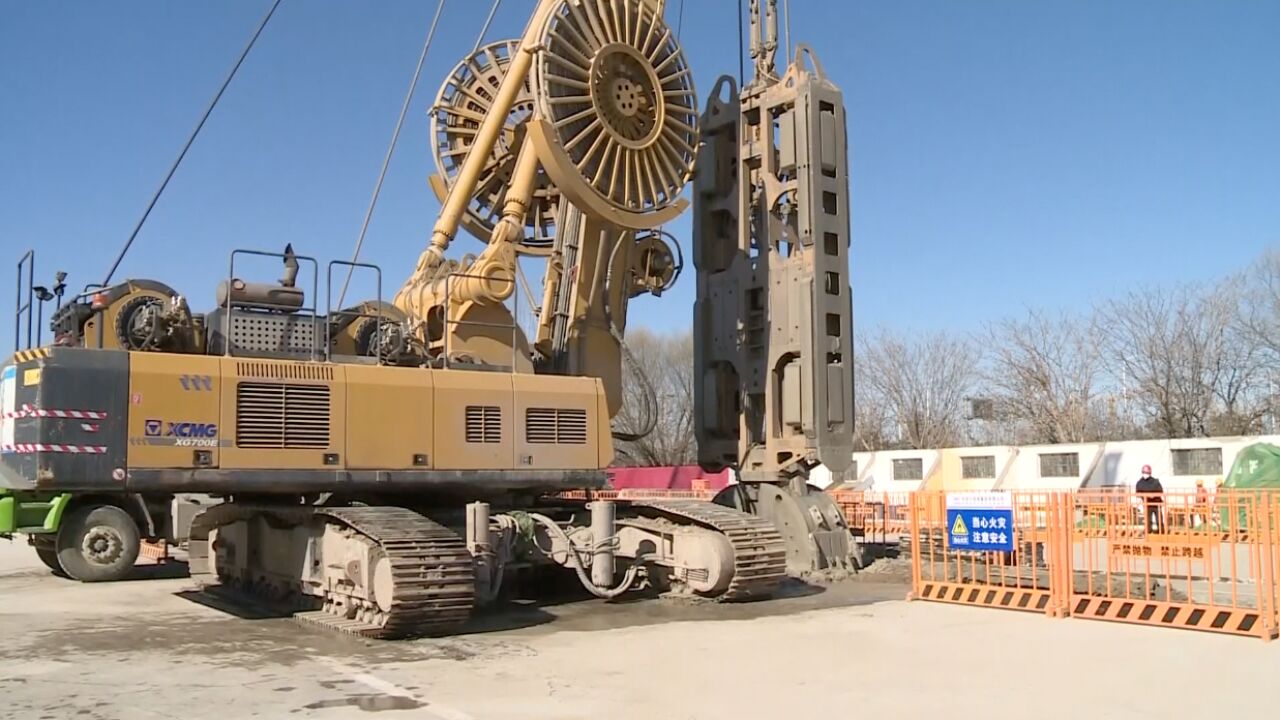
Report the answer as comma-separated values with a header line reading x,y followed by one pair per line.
x,y
330,313
29,261
448,295
315,286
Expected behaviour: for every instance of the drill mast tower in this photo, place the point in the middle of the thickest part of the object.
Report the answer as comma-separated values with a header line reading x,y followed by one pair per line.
x,y
773,320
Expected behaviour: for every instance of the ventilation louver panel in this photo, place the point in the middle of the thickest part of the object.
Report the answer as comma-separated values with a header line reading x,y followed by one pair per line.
x,y
306,416
540,425
571,427
259,415
284,371
546,426
278,416
484,424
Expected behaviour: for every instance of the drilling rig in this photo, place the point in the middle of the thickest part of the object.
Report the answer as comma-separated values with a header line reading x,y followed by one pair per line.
x,y
385,467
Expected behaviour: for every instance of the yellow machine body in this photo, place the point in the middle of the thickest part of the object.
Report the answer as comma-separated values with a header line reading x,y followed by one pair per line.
x,y
199,422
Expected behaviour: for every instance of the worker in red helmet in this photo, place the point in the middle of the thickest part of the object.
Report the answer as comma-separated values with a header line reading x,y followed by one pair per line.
x,y
1151,493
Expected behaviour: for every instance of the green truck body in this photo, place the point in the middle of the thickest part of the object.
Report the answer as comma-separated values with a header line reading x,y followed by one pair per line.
x,y
31,513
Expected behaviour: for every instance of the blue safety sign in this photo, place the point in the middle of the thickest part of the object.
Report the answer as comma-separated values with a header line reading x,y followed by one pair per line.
x,y
980,522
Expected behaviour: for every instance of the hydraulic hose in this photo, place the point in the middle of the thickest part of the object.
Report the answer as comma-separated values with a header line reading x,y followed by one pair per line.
x,y
576,556
650,395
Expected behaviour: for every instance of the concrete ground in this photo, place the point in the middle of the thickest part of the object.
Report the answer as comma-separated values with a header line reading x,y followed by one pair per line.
x,y
145,649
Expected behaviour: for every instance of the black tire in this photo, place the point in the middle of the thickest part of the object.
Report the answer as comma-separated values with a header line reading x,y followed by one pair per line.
x,y
98,543
126,334
47,550
366,337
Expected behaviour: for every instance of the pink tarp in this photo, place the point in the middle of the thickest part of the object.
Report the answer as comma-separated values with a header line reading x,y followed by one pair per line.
x,y
678,477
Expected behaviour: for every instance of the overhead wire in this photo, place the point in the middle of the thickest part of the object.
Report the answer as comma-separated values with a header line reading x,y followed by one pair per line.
x,y
485,30
786,27
391,149
190,139
742,68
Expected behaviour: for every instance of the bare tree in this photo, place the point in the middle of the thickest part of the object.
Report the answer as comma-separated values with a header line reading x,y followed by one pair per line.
x,y
667,364
922,385
870,421
1181,352
1260,312
1260,324
1240,370
1044,374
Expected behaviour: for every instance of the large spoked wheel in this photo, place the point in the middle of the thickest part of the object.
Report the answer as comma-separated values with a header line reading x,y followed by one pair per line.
x,y
616,124
47,550
98,543
461,105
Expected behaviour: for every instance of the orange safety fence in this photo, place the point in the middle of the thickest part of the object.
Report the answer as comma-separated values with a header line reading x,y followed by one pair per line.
x,y
1199,563
1188,561
875,517
1028,578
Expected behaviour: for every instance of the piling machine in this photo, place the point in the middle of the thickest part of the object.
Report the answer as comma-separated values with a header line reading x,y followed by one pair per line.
x,y
385,466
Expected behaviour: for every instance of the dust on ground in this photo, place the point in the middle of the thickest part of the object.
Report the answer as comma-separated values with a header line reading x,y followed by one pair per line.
x,y
149,649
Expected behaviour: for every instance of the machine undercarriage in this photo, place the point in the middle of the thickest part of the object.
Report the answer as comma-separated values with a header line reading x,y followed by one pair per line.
x,y
390,572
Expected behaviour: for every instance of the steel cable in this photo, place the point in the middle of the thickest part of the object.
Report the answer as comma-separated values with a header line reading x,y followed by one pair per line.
x,y
190,139
485,30
391,149
786,28
742,68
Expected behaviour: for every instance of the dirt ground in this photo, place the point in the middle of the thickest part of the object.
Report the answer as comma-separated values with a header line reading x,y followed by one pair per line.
x,y
146,649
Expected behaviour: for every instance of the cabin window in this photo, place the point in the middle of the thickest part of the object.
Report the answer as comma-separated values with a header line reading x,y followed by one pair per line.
x,y
978,467
1197,461
908,469
1060,465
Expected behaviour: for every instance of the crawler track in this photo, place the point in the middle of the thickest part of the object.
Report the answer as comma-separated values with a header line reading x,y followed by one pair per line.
x,y
759,553
434,582
433,572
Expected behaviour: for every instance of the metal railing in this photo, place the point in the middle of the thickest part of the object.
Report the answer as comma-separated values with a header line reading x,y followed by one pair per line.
x,y
332,315
28,261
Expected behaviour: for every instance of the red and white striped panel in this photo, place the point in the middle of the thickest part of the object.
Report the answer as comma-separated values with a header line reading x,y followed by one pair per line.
x,y
29,411
25,448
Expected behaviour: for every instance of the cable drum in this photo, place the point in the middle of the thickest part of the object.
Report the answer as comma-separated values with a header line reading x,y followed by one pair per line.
x,y
463,101
616,124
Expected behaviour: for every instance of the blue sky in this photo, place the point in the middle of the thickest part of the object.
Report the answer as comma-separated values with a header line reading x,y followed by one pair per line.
x,y
1004,153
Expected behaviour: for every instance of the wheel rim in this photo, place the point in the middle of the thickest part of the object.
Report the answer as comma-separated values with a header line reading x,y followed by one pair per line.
x,y
140,321
102,545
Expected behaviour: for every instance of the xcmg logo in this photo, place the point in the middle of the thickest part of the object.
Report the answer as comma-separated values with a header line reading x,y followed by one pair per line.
x,y
183,433
192,430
